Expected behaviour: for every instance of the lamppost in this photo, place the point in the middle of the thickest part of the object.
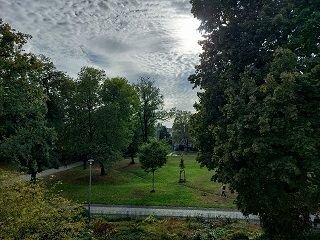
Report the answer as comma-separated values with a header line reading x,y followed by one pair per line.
x,y
89,203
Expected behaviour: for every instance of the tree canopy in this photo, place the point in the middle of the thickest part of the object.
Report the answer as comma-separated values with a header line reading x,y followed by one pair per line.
x,y
151,106
47,116
257,121
152,156
25,136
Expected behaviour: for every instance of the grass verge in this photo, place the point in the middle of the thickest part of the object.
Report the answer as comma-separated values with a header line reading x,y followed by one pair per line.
x,y
128,184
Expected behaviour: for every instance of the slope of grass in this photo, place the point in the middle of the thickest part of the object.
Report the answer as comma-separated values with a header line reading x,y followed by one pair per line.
x,y
128,184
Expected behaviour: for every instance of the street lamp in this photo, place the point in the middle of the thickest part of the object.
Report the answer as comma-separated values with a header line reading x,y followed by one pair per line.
x,y
89,203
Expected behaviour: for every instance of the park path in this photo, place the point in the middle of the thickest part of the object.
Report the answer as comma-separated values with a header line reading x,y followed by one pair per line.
x,y
136,211
51,171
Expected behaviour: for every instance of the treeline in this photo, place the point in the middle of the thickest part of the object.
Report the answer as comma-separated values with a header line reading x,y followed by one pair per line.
x,y
48,118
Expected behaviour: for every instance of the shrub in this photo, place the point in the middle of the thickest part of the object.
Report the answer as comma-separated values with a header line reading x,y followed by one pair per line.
x,y
29,211
239,236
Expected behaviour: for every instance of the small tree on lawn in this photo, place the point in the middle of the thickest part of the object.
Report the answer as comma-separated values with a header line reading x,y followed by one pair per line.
x,y
182,167
152,156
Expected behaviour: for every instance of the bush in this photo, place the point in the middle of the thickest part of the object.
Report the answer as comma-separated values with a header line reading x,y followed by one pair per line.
x,y
29,211
239,236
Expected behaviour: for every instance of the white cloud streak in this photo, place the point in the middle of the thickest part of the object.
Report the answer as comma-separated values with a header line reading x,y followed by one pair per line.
x,y
129,38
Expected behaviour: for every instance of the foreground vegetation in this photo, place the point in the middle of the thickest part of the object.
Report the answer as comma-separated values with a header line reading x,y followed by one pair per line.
x,y
177,229
173,229
30,211
128,184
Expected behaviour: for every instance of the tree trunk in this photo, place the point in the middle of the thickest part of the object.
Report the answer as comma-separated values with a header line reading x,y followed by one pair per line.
x,y
102,168
33,176
85,163
187,145
132,159
145,132
152,182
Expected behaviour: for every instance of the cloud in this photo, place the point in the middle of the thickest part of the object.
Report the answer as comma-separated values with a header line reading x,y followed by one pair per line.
x,y
125,38
182,6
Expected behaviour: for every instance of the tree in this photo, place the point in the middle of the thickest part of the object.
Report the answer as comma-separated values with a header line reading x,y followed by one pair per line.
x,y
100,118
115,120
136,141
182,171
162,132
151,106
30,211
87,100
24,134
59,89
181,129
153,156
257,121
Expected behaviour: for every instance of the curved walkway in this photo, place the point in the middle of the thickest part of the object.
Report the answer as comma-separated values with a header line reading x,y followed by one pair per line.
x,y
136,211
51,171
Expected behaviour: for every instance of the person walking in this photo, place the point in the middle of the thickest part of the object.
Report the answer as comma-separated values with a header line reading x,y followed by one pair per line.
x,y
223,190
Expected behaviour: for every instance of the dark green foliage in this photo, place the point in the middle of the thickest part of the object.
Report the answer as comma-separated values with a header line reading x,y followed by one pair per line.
x,y
101,117
257,123
136,141
239,236
163,133
25,136
115,119
153,155
151,104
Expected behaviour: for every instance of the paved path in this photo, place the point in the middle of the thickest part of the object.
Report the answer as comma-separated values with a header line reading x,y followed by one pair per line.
x,y
209,213
51,171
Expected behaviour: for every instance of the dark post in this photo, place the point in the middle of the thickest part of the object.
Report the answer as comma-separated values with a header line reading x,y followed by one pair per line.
x,y
89,202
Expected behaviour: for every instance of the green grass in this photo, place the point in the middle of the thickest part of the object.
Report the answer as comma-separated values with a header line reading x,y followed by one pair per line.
x,y
128,184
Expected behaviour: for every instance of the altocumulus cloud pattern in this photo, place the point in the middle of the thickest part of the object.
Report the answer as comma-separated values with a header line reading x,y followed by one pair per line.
x,y
130,38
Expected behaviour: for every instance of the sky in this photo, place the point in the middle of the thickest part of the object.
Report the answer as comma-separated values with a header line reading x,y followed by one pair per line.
x,y
126,38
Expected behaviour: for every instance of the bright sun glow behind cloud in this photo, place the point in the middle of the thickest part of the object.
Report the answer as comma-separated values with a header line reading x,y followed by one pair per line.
x,y
188,34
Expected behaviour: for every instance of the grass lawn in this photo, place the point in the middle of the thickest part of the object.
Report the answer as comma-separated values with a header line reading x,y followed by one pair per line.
x,y
128,184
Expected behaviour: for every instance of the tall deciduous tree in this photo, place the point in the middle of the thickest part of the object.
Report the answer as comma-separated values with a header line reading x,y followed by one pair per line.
x,y
136,140
59,89
152,156
257,123
88,87
99,121
151,106
24,134
115,120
